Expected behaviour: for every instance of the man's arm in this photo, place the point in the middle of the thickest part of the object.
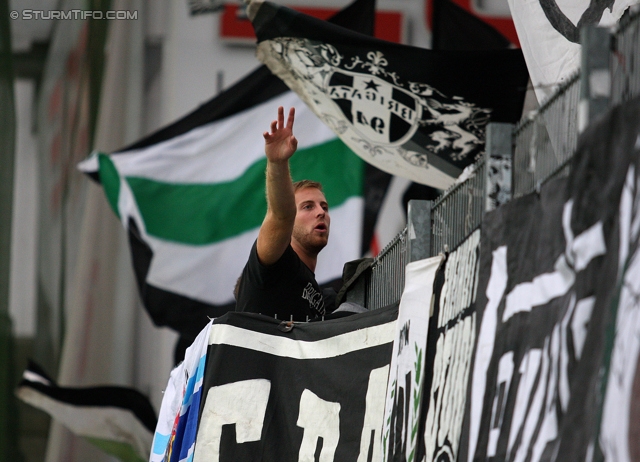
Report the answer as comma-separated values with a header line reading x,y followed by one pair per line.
x,y
275,233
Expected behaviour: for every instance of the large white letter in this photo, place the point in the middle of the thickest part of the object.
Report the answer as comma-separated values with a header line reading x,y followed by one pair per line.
x,y
241,403
319,419
486,340
374,414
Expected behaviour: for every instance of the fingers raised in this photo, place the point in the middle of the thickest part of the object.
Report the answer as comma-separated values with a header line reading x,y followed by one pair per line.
x,y
290,119
280,117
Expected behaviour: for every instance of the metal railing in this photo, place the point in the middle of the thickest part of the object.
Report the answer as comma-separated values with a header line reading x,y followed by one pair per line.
x,y
458,211
386,280
546,139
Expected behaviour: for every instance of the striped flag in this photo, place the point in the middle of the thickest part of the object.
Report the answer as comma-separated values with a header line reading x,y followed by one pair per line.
x,y
191,196
119,420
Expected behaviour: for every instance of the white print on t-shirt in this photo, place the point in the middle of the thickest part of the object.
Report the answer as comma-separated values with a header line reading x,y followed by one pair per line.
x,y
316,302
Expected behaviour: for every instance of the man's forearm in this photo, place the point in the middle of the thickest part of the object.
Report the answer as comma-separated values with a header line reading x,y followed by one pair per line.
x,y
280,196
275,233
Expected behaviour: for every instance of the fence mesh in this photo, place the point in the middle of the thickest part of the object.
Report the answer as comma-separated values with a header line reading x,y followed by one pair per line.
x,y
387,273
546,139
458,212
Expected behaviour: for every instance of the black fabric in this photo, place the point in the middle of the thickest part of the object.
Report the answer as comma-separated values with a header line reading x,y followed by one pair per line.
x,y
351,273
454,28
286,289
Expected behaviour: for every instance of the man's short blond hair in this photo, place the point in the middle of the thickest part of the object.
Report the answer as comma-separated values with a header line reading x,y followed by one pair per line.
x,y
302,184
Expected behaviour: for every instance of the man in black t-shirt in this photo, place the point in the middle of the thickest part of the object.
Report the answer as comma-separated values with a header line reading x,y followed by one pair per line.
x,y
278,278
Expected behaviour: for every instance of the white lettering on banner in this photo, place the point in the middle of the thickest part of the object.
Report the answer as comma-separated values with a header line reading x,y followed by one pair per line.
x,y
529,368
374,415
579,323
505,374
244,404
454,349
532,415
448,390
545,287
553,384
549,413
534,424
241,403
486,338
319,419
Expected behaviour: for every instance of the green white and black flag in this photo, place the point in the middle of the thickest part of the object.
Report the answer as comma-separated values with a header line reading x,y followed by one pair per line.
x,y
191,195
409,111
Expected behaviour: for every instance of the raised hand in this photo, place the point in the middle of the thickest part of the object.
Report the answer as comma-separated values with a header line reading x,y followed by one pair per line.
x,y
280,144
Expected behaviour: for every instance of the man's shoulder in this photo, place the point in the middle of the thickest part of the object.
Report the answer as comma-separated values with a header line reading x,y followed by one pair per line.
x,y
289,256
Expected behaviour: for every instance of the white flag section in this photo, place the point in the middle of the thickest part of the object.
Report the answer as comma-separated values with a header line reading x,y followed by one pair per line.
x,y
407,371
549,34
223,153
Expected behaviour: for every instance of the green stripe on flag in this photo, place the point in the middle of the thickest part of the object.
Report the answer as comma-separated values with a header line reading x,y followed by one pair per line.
x,y
202,214
110,181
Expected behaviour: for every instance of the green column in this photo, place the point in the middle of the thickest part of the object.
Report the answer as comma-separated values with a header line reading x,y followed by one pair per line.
x,y
8,405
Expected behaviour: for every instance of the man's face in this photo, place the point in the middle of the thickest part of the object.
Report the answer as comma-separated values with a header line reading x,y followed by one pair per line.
x,y
311,227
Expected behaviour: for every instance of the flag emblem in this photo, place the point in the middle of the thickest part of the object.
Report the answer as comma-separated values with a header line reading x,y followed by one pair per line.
x,y
379,111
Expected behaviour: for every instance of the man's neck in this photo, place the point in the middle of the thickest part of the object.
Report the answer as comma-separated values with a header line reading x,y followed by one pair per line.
x,y
309,259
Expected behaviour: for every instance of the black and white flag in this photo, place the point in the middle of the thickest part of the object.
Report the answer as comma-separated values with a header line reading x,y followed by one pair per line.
x,y
550,268
286,392
118,420
413,112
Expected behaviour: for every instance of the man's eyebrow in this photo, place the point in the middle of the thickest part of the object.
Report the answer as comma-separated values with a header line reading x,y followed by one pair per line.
x,y
312,202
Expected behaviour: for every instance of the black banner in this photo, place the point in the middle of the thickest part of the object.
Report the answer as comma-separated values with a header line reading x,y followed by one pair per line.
x,y
548,271
312,392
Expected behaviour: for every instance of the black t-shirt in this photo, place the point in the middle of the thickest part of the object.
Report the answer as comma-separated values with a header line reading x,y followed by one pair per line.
x,y
286,288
